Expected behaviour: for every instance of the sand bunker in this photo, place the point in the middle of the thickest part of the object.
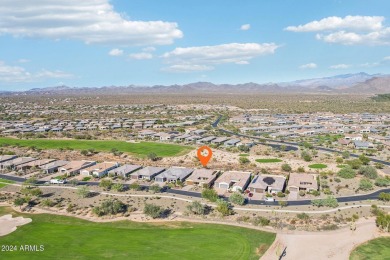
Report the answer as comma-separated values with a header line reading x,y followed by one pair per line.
x,y
8,224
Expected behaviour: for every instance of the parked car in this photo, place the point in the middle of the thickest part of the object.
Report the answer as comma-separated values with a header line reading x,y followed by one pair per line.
x,y
57,181
269,199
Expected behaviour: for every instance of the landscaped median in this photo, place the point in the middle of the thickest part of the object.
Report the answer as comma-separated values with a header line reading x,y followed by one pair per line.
x,y
140,149
269,160
75,238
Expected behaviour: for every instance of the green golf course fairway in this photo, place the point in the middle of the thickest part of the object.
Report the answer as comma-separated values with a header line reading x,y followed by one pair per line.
x,y
72,238
376,249
141,149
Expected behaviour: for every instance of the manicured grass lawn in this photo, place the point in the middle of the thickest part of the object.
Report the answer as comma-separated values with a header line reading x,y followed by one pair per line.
x,y
272,160
318,166
3,184
72,238
243,154
375,249
141,149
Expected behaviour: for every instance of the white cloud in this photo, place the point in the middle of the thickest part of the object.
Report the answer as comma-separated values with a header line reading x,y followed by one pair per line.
x,y
359,23
308,66
351,38
149,49
350,30
116,52
386,58
340,66
370,64
187,68
141,56
18,74
240,53
244,62
90,21
245,27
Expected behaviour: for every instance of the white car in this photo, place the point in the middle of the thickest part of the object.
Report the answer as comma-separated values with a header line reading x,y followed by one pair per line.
x,y
57,181
269,199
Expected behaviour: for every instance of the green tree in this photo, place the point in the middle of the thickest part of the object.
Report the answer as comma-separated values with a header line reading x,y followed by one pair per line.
x,y
84,152
105,184
237,198
19,202
355,164
210,194
152,210
224,207
368,172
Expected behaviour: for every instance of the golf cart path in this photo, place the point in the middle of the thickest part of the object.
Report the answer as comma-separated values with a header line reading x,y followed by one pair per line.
x,y
337,244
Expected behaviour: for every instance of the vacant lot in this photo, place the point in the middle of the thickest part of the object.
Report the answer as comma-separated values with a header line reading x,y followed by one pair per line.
x,y
73,238
140,149
374,249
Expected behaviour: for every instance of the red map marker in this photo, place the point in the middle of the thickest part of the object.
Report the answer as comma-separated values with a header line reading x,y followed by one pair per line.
x,y
204,155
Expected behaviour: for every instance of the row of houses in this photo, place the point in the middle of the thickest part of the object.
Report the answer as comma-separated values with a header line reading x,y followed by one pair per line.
x,y
12,127
229,180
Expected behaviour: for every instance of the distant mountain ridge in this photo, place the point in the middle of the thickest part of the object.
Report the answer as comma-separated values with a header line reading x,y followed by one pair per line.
x,y
348,83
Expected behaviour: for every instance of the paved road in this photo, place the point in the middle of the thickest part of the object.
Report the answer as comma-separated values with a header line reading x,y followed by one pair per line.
x,y
371,196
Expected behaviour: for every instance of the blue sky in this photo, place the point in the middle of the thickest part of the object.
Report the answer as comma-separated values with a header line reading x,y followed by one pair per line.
x,y
94,43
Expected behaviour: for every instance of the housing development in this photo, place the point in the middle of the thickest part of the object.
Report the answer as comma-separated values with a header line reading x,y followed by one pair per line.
x,y
194,130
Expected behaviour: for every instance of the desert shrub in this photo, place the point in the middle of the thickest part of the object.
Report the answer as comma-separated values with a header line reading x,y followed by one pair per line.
x,y
280,194
260,221
152,210
110,207
365,184
83,191
154,188
243,160
224,207
237,198
382,182
327,202
286,167
105,184
210,194
384,196
368,172
196,208
346,172
118,187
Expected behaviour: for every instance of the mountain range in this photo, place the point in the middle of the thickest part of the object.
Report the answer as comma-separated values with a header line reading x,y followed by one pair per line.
x,y
359,83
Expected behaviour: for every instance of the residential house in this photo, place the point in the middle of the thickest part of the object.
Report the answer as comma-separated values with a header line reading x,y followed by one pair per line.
x,y
202,177
34,164
302,181
267,183
12,164
234,180
174,174
147,173
362,145
74,167
53,166
232,142
99,170
124,170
